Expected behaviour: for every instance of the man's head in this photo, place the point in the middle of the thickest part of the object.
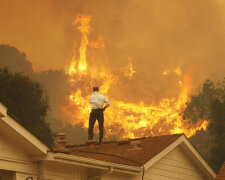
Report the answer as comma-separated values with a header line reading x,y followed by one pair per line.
x,y
95,89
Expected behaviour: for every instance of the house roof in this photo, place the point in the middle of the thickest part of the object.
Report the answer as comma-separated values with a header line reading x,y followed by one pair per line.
x,y
134,153
221,173
131,155
123,156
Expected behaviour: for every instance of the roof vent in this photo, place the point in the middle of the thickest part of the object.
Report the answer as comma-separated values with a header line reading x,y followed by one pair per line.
x,y
123,141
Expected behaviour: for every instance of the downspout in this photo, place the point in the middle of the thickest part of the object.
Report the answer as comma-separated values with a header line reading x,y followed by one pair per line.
x,y
98,176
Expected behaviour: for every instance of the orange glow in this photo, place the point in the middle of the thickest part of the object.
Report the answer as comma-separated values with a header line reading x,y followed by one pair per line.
x,y
125,119
84,29
177,71
98,44
129,72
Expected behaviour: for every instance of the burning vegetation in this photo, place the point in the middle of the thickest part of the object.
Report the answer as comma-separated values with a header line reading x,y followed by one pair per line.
x,y
123,119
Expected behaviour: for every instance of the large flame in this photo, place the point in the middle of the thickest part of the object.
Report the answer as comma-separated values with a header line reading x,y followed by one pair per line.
x,y
84,29
124,119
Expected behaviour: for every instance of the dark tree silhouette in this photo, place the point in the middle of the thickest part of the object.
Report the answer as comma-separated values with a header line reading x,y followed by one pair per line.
x,y
209,105
27,103
15,60
217,128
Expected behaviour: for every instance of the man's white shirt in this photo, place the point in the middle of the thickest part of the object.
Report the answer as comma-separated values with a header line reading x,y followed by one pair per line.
x,y
98,100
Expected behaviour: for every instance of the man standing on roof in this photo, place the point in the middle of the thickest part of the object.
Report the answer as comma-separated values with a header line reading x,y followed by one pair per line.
x,y
97,101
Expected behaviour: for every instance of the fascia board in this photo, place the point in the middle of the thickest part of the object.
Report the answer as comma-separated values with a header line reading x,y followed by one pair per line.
x,y
87,162
25,134
11,164
188,147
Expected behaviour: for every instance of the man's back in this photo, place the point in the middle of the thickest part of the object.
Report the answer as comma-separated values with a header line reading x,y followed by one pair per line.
x,y
97,100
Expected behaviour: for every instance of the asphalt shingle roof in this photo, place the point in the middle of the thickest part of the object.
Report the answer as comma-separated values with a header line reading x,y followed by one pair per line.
x,y
136,153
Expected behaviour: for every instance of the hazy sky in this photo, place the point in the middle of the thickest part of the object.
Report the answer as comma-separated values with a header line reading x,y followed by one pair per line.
x,y
155,34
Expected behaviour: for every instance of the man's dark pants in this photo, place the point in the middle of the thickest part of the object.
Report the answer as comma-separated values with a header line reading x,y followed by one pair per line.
x,y
96,114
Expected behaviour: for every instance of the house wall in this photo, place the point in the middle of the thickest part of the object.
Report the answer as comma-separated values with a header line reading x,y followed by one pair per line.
x,y
6,175
118,176
175,165
51,170
11,151
60,171
24,176
14,161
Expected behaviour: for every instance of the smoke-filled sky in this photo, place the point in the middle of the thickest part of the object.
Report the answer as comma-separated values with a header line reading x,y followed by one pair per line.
x,y
154,34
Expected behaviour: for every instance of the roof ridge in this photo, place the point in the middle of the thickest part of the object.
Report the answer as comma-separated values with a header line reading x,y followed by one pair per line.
x,y
115,141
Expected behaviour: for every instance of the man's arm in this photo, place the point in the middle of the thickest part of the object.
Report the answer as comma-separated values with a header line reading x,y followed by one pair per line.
x,y
105,107
107,104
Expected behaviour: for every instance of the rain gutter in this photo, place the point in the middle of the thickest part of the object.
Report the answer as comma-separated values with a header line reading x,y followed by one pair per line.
x,y
87,162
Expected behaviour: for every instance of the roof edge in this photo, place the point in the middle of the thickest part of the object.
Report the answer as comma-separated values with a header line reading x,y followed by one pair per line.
x,y
185,145
21,130
92,163
188,146
164,152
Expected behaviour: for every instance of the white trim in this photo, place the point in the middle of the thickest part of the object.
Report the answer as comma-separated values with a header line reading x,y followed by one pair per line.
x,y
18,166
25,134
17,161
92,163
186,146
205,167
101,164
163,153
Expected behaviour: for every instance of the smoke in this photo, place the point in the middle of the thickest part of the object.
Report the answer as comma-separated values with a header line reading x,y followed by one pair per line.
x,y
156,35
34,28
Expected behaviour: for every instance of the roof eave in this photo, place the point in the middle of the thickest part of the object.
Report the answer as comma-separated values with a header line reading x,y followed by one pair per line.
x,y
21,131
90,163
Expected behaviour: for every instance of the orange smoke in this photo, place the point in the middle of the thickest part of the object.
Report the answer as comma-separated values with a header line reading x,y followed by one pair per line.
x,y
124,119
129,72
